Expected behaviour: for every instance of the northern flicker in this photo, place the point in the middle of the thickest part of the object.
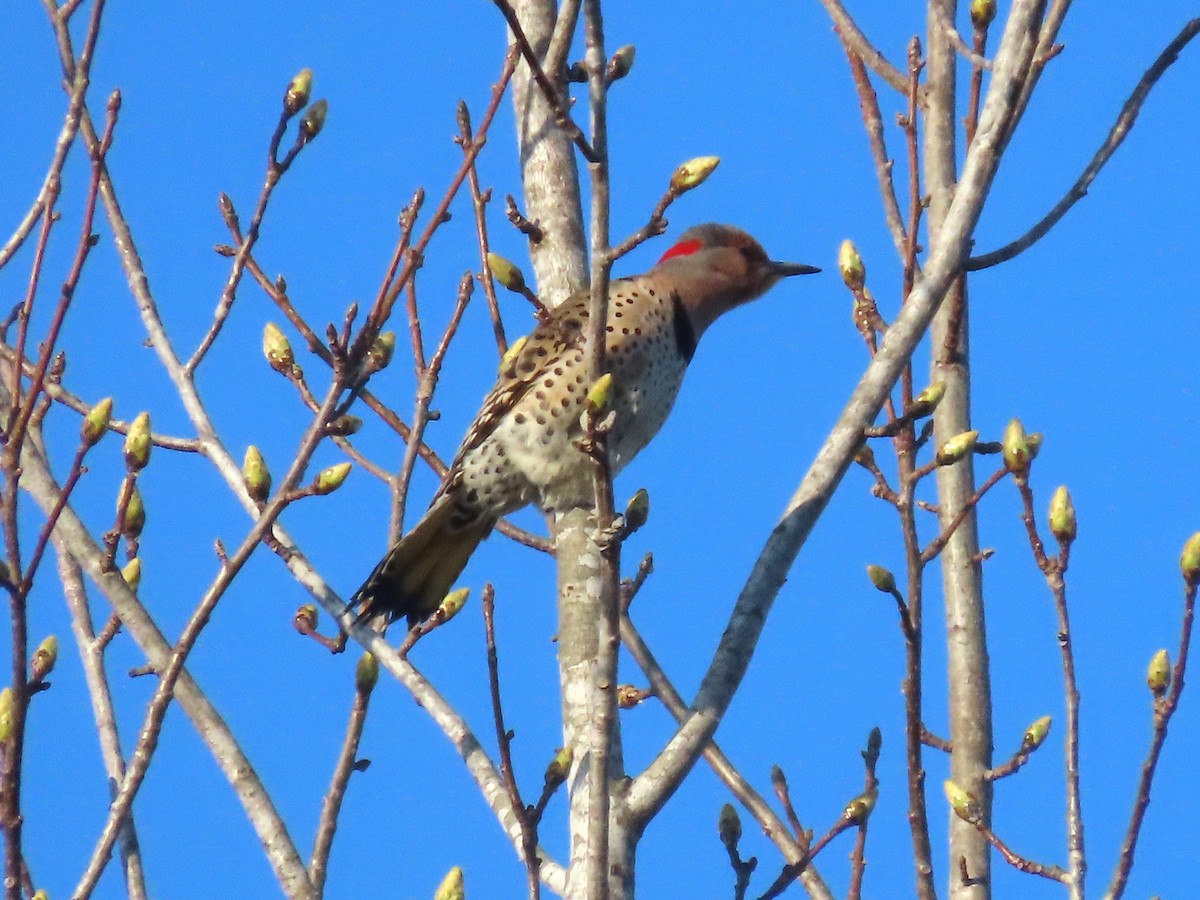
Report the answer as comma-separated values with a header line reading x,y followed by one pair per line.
x,y
521,448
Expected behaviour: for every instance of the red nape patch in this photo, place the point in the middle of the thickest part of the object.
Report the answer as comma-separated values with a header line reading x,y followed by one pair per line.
x,y
683,248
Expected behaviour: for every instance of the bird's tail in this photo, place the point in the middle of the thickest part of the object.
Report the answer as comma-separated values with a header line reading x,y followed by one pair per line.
x,y
416,574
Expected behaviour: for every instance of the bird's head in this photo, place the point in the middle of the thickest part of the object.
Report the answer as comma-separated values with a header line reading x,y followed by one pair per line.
x,y
714,268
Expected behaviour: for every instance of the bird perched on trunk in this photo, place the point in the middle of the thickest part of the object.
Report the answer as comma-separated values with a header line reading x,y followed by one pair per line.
x,y
521,448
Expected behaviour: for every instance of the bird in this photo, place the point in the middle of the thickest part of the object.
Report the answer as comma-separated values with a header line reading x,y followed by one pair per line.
x,y
523,445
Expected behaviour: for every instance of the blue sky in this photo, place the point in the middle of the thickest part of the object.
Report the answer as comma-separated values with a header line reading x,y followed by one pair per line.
x,y
1090,338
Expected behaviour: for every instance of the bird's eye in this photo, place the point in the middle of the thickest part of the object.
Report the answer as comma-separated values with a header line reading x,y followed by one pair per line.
x,y
752,253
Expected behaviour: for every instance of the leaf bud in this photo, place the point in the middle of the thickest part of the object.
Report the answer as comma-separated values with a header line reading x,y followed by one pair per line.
x,y
137,443
506,272
135,515
622,62
314,120
883,580
332,478
1158,673
44,658
298,92
850,264
256,474
1016,448
600,394
453,603
729,826
926,401
277,349
344,426
1189,561
637,510
859,809
958,447
982,12
305,619
560,765
1062,516
366,673
693,173
132,573
6,713
1036,733
383,348
452,887
95,423
965,806
629,696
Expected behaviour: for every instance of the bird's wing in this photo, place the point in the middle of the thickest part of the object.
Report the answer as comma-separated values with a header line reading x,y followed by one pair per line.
x,y
542,349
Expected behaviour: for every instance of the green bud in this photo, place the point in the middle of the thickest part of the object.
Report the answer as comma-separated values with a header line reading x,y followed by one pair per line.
x,y
132,573
1034,441
1158,673
1189,561
6,714
865,456
277,349
982,12
332,478
600,394
1016,448
926,401
314,120
44,658
344,426
513,351
452,605
506,272
850,264
693,173
366,673
622,62
729,826
256,475
637,510
305,619
859,809
1036,733
965,806
1062,516
958,447
298,92
40,894
95,423
629,696
560,765
137,443
883,580
382,350
452,887
135,515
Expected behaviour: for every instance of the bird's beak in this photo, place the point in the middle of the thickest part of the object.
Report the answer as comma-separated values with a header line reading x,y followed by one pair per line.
x,y
783,269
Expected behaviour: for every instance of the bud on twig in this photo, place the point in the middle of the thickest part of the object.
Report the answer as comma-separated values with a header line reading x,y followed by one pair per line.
x,y
256,475
135,515
982,12
600,394
332,478
95,423
1158,673
693,173
964,805
850,264
1036,733
1016,448
298,92
729,826
44,658
366,673
859,809
1062,516
344,426
132,573
958,447
305,619
1189,561
6,710
637,511
137,443
883,580
452,605
560,765
926,401
314,120
277,349
506,272
622,62
452,887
